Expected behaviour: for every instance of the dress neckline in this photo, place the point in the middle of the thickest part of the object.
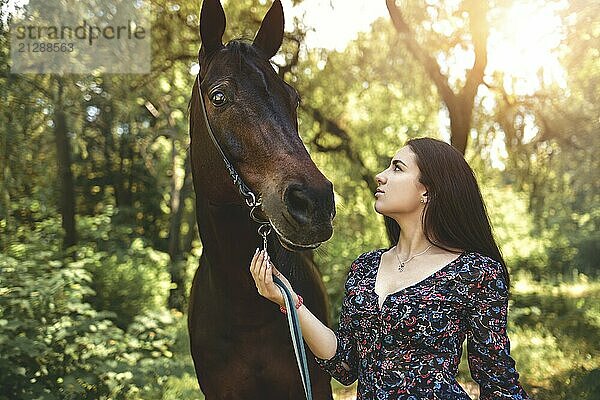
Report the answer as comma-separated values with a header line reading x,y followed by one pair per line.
x,y
396,292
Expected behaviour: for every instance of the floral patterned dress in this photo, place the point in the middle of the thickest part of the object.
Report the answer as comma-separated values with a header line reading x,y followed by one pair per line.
x,y
411,347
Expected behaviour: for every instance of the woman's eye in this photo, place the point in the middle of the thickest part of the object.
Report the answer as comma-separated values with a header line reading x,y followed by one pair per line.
x,y
397,168
218,98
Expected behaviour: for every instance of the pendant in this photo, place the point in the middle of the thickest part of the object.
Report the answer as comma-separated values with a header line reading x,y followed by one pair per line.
x,y
401,267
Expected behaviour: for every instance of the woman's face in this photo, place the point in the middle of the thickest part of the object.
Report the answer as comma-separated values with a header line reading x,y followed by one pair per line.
x,y
399,191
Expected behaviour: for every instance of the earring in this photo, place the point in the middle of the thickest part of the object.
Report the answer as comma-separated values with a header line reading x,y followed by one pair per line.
x,y
422,200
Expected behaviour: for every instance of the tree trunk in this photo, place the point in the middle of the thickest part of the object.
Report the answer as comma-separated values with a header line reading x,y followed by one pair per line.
x,y
106,128
65,175
177,296
460,125
123,176
460,104
192,232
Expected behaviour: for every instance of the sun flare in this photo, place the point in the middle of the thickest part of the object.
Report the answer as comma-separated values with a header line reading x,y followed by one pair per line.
x,y
523,45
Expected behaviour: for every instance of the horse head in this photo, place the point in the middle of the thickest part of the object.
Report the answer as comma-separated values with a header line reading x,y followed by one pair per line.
x,y
253,114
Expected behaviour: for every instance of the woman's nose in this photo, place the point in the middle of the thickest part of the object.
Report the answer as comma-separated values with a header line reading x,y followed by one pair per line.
x,y
379,178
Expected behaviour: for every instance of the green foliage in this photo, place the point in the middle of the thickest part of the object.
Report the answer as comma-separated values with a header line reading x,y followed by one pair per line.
x,y
360,89
555,337
128,276
55,345
514,229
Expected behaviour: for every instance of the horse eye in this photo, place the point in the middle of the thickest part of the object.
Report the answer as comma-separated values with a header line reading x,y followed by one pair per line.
x,y
218,98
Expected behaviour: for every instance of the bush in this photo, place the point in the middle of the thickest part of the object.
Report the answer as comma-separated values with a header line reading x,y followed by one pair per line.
x,y
128,276
56,345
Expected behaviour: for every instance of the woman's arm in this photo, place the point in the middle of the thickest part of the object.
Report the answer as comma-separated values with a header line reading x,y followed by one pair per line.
x,y
487,341
334,352
318,337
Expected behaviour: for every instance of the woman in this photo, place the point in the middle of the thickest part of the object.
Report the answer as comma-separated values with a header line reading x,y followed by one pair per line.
x,y
408,309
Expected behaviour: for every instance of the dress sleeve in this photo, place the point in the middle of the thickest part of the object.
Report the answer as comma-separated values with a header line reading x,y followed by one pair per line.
x,y
343,366
487,341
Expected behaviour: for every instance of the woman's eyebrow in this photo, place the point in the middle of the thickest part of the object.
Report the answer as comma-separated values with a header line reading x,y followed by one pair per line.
x,y
398,161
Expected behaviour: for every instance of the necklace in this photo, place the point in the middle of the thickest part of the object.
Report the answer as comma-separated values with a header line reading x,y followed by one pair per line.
x,y
402,264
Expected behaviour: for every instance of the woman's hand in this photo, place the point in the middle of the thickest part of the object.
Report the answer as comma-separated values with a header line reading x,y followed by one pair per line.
x,y
321,340
262,271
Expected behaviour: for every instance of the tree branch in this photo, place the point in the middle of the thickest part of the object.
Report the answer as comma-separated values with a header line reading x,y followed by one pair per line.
x,y
478,26
346,147
429,63
460,105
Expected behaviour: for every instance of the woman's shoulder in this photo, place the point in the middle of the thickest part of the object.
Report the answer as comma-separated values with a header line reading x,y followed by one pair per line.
x,y
479,267
482,278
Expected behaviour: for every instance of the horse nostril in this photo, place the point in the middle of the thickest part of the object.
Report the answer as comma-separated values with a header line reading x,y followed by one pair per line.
x,y
298,203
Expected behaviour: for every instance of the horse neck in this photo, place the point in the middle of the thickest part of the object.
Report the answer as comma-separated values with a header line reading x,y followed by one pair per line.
x,y
229,238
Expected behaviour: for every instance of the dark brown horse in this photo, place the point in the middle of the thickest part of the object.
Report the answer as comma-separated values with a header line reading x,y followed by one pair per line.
x,y
240,341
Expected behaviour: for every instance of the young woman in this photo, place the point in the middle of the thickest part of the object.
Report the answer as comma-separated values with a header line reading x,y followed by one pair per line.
x,y
408,309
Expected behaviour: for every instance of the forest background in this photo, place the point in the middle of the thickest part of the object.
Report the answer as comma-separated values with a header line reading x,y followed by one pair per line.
x,y
98,239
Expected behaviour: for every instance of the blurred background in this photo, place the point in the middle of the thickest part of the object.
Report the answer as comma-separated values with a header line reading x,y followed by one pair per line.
x,y
98,239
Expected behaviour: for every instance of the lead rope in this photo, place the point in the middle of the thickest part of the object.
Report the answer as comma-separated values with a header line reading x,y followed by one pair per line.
x,y
294,326
264,230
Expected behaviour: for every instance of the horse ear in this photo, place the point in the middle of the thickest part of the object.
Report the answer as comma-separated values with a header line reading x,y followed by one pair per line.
x,y
270,35
212,25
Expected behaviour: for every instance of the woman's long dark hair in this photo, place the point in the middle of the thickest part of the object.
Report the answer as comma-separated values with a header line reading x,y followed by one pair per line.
x,y
455,215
